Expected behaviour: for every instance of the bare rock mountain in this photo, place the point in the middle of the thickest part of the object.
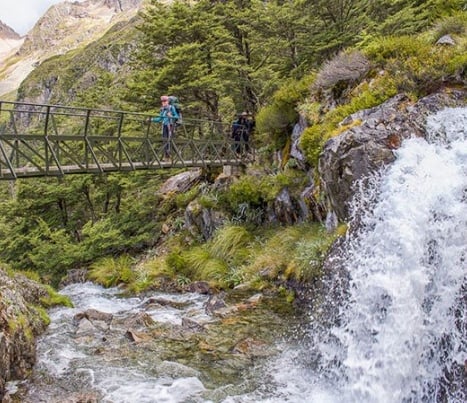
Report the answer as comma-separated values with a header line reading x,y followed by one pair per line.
x,y
7,32
65,26
10,42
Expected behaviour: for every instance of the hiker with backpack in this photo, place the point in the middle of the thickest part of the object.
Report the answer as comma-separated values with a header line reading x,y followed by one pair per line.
x,y
168,116
240,132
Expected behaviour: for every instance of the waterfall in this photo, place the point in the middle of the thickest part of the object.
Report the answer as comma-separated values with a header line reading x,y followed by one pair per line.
x,y
399,326
403,335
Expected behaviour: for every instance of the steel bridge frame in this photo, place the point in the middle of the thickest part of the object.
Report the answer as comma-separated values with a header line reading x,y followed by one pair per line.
x,y
53,140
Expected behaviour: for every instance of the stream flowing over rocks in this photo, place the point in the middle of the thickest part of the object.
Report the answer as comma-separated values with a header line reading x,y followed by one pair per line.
x,y
187,347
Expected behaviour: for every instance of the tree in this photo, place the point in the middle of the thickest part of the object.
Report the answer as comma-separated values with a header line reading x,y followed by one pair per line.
x,y
187,51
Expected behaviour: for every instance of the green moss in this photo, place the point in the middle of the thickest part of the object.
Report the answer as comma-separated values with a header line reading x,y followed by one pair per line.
x,y
55,299
42,314
19,324
183,199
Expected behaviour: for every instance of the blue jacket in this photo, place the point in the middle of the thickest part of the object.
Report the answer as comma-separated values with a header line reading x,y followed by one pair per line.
x,y
167,115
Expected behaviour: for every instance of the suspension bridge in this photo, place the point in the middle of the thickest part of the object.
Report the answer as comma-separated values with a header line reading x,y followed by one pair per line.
x,y
53,140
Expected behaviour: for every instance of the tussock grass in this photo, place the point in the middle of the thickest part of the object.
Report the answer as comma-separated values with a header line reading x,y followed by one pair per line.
x,y
230,243
148,274
235,255
110,271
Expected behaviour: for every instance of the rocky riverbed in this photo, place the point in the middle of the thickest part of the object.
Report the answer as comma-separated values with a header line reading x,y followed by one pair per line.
x,y
160,347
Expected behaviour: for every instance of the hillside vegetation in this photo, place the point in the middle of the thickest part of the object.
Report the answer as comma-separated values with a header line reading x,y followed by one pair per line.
x,y
319,60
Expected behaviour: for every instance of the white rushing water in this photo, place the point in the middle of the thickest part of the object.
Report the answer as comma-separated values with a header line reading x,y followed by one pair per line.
x,y
74,363
402,329
401,334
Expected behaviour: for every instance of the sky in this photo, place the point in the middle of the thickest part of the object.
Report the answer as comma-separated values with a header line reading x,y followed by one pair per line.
x,y
21,15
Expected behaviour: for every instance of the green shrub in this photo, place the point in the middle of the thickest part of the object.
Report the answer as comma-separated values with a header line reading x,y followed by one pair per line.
x,y
275,121
452,25
253,190
387,48
312,142
414,64
109,271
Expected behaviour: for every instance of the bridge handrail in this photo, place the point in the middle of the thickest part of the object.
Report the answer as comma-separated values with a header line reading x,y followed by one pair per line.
x,y
85,110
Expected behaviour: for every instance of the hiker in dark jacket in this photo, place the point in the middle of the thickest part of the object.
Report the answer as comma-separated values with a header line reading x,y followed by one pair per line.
x,y
239,133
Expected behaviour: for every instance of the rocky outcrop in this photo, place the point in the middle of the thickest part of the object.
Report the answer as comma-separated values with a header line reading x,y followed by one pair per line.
x,y
21,320
358,152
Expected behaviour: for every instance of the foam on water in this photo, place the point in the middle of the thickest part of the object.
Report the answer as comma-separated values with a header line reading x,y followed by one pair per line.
x,y
65,358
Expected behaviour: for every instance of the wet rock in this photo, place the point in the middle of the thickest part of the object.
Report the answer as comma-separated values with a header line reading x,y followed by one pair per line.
x,y
73,277
215,303
138,337
365,148
253,348
84,397
200,287
92,320
164,302
94,315
85,327
138,320
192,324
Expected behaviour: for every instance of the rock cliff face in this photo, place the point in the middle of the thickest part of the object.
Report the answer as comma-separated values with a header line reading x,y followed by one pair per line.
x,y
365,148
21,320
10,42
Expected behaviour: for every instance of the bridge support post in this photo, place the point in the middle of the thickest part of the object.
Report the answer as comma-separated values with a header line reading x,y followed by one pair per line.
x,y
233,170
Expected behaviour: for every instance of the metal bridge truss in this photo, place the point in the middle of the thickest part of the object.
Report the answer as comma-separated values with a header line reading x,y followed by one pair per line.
x,y
51,140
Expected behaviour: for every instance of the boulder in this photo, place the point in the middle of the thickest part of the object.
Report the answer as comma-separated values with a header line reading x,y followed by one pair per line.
x,y
181,183
20,323
365,148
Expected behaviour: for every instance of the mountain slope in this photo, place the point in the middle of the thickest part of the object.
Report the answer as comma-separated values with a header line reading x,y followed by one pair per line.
x,y
65,26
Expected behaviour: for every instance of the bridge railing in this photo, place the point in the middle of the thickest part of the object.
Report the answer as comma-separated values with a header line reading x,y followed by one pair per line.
x,y
42,140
